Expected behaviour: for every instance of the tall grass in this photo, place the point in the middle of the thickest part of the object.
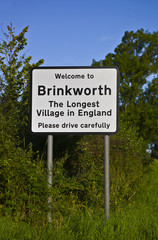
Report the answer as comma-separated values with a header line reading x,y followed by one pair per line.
x,y
132,222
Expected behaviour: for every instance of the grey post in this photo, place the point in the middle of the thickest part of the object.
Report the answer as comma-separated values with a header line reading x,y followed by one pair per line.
x,y
50,171
106,177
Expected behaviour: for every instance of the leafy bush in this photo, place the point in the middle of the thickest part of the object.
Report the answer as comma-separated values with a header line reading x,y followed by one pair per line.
x,y
78,179
22,183
128,161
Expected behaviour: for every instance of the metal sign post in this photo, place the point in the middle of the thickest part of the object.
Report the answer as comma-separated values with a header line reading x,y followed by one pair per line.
x,y
106,177
50,171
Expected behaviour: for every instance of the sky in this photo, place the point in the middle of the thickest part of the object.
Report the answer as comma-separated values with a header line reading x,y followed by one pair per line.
x,y
73,33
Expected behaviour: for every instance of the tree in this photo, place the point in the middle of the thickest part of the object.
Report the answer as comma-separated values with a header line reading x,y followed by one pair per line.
x,y
137,58
150,120
20,171
14,81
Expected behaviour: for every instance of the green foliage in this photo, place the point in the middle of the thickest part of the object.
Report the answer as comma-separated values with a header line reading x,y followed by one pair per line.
x,y
22,179
15,81
63,193
135,221
23,184
150,116
128,161
137,59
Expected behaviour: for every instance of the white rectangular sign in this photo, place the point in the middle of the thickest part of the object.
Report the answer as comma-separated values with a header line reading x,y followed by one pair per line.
x,y
74,100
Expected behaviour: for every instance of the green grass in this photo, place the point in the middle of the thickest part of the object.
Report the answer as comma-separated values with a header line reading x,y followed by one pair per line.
x,y
138,220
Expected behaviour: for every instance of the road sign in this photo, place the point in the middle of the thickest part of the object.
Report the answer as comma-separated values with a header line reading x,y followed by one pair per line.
x,y
68,100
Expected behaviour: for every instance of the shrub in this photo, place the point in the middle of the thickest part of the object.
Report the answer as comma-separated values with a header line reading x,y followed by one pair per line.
x,y
78,180
128,160
23,183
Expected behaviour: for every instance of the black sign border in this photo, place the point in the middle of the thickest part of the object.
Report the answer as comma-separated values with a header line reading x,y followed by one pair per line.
x,y
75,133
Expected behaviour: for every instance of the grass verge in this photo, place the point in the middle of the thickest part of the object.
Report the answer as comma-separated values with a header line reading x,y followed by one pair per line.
x,y
133,222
